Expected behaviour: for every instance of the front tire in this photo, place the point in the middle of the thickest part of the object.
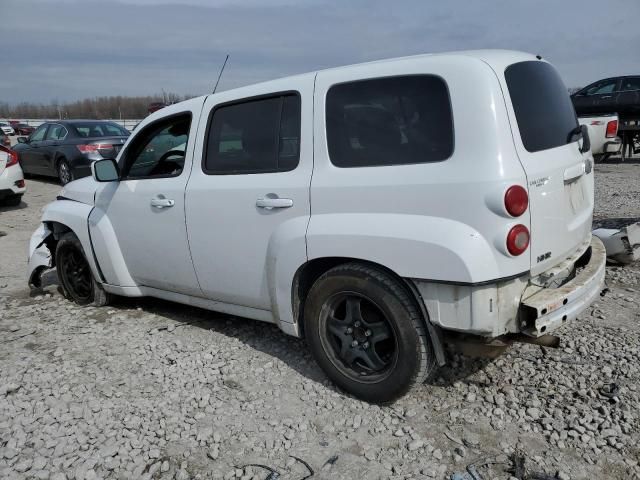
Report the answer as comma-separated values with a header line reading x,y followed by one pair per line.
x,y
366,332
64,172
74,274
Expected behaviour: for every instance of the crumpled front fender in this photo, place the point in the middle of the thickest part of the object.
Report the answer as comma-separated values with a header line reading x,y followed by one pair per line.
x,y
39,255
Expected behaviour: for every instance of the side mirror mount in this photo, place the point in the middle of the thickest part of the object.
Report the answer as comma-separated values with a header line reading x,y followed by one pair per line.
x,y
22,140
105,170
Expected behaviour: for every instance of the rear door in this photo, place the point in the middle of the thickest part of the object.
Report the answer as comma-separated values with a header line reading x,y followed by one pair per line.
x,y
559,176
249,189
628,98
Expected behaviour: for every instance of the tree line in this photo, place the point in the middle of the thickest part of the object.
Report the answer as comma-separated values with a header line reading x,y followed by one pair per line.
x,y
112,107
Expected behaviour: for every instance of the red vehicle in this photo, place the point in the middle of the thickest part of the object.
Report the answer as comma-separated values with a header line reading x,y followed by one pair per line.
x,y
23,129
155,106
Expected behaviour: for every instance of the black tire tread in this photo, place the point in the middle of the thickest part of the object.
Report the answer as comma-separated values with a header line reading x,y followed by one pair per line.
x,y
100,297
428,362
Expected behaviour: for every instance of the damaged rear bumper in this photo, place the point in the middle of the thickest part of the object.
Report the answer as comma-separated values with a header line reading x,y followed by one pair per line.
x,y
545,309
39,255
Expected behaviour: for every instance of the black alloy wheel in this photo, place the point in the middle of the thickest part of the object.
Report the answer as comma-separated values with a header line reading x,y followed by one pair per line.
x,y
75,275
64,172
358,338
365,330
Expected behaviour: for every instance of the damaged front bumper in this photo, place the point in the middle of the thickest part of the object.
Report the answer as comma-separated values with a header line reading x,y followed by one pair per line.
x,y
39,255
545,309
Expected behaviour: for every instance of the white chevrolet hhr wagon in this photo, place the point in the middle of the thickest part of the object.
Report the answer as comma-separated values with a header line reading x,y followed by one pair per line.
x,y
376,210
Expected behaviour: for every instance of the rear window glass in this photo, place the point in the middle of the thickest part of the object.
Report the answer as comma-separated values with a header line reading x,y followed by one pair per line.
x,y
543,108
92,130
389,121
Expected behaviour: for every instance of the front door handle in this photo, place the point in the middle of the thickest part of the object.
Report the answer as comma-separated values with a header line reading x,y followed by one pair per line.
x,y
161,202
270,203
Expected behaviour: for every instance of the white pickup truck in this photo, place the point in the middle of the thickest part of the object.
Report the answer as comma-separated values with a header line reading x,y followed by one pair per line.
x,y
373,209
603,134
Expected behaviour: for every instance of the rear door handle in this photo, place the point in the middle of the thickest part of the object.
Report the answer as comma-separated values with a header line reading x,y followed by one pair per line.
x,y
161,202
270,203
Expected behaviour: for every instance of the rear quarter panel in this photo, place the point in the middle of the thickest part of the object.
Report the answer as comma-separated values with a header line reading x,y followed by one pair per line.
x,y
438,221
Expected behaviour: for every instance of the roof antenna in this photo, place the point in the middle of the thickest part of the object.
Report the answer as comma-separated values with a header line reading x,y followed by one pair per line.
x,y
220,75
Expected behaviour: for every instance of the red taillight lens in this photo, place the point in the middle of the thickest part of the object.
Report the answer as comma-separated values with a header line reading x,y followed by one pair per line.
x,y
94,147
87,148
612,129
516,200
518,240
13,158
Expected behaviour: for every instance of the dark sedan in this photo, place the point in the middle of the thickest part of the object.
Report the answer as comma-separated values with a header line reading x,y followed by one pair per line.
x,y
619,95
66,148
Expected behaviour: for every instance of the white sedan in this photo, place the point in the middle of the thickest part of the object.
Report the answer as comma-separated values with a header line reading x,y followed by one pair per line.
x,y
7,129
12,185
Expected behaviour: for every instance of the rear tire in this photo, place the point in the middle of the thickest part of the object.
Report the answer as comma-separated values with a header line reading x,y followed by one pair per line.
x,y
367,334
64,172
75,276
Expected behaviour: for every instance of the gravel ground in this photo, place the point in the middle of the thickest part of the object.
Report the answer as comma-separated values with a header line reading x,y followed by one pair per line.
x,y
148,389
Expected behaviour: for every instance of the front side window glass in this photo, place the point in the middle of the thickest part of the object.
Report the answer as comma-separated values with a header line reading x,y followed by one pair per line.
x,y
389,121
159,151
601,88
38,135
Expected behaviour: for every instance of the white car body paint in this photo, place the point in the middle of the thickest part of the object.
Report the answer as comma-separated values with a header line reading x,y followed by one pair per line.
x,y
600,143
9,176
440,225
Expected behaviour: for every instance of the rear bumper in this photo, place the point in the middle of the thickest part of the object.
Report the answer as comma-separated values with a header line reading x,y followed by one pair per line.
x,y
612,146
9,180
546,309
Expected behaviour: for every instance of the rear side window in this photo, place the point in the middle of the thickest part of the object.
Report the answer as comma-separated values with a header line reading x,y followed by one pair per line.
x,y
389,121
255,136
544,112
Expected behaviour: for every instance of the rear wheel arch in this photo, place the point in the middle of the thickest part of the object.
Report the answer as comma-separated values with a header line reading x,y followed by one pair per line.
x,y
308,273
365,363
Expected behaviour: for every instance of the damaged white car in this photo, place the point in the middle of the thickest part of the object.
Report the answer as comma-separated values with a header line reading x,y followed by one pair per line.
x,y
377,210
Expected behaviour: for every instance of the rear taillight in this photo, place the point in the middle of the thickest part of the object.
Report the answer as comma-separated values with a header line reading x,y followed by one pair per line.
x,y
94,147
13,158
518,240
612,129
516,200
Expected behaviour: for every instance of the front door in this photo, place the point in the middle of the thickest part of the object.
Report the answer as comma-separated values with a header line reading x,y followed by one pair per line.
x,y
146,207
250,195
32,155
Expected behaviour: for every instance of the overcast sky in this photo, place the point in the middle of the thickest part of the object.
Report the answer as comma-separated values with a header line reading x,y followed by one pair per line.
x,y
67,49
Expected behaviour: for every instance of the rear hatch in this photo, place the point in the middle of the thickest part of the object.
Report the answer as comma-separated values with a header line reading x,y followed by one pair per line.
x,y
559,176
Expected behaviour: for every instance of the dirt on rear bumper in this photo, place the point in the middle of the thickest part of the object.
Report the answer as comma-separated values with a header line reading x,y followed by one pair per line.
x,y
546,309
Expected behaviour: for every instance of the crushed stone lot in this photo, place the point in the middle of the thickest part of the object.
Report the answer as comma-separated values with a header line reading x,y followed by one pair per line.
x,y
147,389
